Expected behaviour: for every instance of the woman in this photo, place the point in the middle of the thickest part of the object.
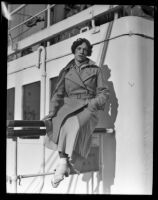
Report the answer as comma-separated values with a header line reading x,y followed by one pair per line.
x,y
80,92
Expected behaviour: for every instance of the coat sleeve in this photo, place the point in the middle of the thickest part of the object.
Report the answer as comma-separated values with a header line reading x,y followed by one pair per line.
x,y
102,93
57,99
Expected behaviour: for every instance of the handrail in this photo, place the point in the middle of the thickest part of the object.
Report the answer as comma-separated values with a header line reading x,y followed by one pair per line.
x,y
17,9
31,18
37,128
25,123
32,128
34,175
48,34
19,177
25,133
10,179
25,128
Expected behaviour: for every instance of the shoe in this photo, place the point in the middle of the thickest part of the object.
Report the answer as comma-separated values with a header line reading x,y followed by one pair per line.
x,y
56,180
61,171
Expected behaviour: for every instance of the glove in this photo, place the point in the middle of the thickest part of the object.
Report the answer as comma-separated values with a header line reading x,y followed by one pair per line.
x,y
49,116
48,122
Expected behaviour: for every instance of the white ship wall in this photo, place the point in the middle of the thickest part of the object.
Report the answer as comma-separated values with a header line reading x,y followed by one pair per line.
x,y
130,59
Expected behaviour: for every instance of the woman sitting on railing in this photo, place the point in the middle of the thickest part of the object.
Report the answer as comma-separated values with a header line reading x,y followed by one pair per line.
x,y
80,92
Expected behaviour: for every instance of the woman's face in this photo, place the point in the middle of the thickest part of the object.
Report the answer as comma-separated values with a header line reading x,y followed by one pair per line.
x,y
81,52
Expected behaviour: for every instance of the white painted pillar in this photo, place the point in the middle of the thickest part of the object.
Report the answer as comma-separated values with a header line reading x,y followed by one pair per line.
x,y
134,124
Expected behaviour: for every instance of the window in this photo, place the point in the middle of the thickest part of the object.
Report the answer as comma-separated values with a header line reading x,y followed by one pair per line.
x,y
10,103
31,102
53,82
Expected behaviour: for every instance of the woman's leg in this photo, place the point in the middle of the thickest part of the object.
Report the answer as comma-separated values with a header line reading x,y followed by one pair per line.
x,y
62,169
67,141
64,159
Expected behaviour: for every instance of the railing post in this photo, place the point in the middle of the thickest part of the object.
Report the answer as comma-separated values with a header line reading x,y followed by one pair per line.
x,y
17,9
107,157
48,20
43,102
15,164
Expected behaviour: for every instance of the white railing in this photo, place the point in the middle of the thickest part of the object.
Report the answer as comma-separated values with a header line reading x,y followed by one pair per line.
x,y
22,23
17,9
59,27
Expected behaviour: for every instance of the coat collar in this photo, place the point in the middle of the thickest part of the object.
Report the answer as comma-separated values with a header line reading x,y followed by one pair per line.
x,y
88,63
71,63
73,74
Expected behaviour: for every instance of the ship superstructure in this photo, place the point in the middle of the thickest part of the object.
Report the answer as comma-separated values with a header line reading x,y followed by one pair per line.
x,y
39,46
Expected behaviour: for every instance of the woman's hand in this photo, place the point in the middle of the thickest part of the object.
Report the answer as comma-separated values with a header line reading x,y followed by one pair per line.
x,y
49,116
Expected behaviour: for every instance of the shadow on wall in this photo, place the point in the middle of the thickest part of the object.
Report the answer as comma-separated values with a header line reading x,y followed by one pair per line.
x,y
108,116
107,120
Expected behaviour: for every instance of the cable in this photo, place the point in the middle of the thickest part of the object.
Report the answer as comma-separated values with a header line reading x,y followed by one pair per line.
x,y
126,34
112,38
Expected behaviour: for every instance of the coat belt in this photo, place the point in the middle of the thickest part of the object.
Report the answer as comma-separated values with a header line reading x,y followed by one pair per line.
x,y
82,96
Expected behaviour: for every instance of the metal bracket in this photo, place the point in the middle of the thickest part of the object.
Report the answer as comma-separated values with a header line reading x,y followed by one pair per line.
x,y
131,33
84,29
14,45
19,178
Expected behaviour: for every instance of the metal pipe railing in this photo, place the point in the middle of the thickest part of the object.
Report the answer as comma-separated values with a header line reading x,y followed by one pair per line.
x,y
16,161
116,9
25,123
31,17
42,56
25,133
49,7
34,175
25,128
19,177
17,9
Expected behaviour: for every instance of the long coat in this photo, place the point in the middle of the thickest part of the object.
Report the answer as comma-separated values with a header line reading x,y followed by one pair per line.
x,y
64,103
